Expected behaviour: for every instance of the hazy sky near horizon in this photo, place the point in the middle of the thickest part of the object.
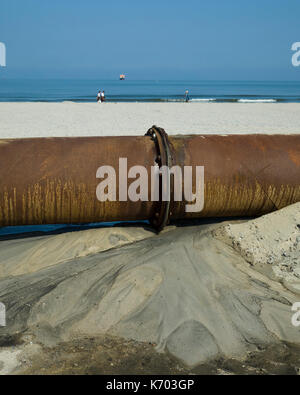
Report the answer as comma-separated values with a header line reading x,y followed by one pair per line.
x,y
159,39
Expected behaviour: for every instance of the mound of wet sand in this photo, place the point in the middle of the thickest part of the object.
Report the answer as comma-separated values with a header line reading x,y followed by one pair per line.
x,y
29,255
193,291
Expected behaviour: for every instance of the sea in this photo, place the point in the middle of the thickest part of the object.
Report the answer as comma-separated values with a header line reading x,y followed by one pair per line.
x,y
25,90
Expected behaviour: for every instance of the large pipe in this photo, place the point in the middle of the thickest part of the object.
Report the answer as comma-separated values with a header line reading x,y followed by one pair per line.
x,y
53,180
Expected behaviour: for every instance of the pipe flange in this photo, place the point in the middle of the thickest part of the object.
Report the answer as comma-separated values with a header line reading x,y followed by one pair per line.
x,y
164,158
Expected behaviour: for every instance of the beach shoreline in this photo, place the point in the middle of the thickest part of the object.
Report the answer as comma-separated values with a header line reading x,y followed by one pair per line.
x,y
27,119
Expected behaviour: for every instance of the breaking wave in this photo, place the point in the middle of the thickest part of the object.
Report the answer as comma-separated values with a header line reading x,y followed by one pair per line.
x,y
203,100
257,101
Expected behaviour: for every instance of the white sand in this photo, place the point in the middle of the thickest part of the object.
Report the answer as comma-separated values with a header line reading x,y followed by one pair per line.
x,y
92,119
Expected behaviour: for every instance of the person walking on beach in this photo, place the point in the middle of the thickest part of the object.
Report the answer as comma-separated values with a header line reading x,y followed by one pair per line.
x,y
187,97
99,97
102,97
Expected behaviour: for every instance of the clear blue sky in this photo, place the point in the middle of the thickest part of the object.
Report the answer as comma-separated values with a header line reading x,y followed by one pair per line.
x,y
157,39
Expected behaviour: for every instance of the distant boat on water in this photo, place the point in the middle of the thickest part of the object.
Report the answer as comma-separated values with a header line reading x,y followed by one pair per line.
x,y
122,77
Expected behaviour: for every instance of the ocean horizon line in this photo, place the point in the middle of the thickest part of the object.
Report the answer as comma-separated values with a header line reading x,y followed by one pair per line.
x,y
85,90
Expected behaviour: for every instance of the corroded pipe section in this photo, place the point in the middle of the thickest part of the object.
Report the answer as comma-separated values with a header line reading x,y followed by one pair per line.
x,y
245,175
53,180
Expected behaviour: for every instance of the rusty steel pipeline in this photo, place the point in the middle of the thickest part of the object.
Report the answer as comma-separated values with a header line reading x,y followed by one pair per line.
x,y
53,180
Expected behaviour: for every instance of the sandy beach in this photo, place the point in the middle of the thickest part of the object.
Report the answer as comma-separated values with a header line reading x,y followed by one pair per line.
x,y
202,296
116,119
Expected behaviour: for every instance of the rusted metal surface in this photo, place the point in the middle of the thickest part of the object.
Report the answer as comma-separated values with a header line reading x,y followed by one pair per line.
x,y
245,175
53,180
